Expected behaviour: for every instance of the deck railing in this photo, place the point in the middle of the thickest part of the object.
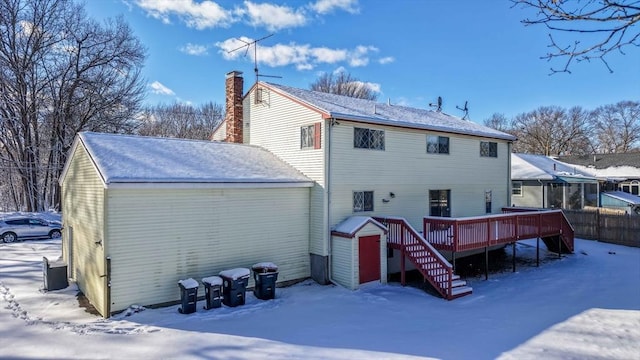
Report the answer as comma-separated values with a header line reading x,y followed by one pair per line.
x,y
402,236
470,233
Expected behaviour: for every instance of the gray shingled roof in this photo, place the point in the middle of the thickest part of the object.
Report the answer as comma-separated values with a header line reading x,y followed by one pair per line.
x,y
368,111
603,161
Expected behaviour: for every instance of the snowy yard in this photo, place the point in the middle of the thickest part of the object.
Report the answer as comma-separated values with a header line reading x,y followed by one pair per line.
x,y
583,306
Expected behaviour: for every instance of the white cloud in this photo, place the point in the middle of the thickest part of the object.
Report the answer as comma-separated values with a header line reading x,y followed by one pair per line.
x,y
375,87
302,56
158,88
327,6
194,49
273,17
386,60
199,15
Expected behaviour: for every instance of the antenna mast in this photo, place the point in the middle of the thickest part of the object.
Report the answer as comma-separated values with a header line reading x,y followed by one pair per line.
x,y
465,109
246,46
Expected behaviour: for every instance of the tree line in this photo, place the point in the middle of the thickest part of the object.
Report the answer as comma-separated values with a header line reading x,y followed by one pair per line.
x,y
554,130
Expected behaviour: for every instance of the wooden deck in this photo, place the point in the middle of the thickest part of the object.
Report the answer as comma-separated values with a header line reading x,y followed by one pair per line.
x,y
471,233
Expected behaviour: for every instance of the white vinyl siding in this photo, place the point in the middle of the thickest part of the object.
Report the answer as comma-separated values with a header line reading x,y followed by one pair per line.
x,y
83,210
406,170
160,236
268,130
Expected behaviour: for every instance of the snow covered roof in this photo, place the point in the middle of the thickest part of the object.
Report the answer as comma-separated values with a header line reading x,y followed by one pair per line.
x,y
617,167
351,225
140,159
540,167
368,111
621,195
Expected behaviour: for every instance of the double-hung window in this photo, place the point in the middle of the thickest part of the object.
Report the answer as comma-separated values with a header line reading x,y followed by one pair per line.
x,y
488,149
516,188
362,201
368,139
437,144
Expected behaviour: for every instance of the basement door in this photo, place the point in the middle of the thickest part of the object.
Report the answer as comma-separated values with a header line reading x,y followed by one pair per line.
x,y
369,258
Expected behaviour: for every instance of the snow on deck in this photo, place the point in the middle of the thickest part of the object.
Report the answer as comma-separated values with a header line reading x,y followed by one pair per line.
x,y
349,108
140,159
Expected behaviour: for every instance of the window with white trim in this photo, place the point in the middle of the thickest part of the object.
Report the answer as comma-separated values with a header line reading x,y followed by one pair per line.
x,y
437,144
516,188
368,139
488,149
362,201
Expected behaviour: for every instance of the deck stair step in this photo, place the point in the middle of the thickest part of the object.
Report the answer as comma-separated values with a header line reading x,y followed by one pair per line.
x,y
434,268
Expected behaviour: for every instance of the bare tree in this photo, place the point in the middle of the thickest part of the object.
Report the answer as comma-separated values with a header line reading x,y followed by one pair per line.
x,y
617,127
551,130
60,73
342,83
499,122
181,121
606,25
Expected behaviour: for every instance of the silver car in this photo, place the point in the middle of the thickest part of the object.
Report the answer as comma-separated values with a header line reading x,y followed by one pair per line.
x,y
23,228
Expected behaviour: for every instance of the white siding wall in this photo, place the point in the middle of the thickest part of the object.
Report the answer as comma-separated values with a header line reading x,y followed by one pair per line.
x,y
83,211
405,169
275,125
344,261
158,237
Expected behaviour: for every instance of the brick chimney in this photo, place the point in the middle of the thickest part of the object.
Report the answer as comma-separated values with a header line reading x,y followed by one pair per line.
x,y
233,117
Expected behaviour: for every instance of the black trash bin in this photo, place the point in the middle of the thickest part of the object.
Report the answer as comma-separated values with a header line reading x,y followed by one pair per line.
x,y
212,292
234,286
54,274
188,295
265,275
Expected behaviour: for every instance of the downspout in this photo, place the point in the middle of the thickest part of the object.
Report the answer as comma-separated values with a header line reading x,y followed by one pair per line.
x,y
330,122
509,181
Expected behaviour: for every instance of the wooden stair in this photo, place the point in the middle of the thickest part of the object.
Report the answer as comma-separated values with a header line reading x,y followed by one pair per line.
x,y
430,263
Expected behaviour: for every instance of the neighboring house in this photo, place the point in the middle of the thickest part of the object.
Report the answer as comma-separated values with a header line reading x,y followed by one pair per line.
x,y
543,182
621,200
142,213
617,171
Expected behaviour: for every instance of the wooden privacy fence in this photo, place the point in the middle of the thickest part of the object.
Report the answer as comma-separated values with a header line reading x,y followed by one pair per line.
x,y
611,228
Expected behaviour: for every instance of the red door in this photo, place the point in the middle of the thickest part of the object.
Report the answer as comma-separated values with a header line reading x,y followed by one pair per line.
x,y
369,254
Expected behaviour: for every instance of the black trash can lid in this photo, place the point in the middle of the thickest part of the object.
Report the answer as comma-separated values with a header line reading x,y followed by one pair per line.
x,y
264,267
189,283
235,274
212,280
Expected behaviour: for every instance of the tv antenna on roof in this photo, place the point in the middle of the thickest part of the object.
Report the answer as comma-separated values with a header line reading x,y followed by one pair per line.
x,y
246,46
438,105
465,109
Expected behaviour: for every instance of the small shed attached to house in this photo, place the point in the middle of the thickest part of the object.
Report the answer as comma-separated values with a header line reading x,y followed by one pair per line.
x,y
359,245
621,200
141,213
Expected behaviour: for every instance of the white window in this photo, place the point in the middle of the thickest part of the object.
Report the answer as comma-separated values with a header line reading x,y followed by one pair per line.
x,y
488,149
368,139
437,144
362,201
631,188
516,188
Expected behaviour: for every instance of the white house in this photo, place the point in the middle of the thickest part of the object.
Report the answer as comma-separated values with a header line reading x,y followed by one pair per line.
x,y
302,191
372,159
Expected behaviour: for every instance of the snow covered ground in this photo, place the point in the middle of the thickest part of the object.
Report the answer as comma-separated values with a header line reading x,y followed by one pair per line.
x,y
583,306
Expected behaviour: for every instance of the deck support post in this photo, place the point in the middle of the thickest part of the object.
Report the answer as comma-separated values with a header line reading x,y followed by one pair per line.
x,y
514,256
538,252
486,263
560,246
453,260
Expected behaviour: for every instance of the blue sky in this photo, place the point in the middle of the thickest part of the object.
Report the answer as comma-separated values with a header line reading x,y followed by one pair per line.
x,y
409,51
